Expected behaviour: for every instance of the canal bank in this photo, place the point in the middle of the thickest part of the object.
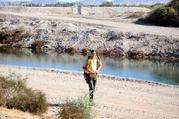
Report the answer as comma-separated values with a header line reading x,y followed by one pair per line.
x,y
114,98
80,34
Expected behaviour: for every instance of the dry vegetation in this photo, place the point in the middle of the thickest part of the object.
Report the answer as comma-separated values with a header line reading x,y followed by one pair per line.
x,y
14,94
12,36
84,51
76,109
38,44
70,50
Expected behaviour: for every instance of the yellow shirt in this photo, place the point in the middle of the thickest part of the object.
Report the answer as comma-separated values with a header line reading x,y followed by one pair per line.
x,y
92,65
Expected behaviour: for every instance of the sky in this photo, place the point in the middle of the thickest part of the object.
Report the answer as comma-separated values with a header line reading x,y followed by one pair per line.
x,y
37,0
15,0
49,0
82,0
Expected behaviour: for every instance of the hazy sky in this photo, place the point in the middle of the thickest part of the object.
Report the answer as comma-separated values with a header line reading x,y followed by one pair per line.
x,y
49,0
31,0
15,0
79,0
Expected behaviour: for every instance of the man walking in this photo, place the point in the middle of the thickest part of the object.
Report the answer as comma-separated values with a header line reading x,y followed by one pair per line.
x,y
91,70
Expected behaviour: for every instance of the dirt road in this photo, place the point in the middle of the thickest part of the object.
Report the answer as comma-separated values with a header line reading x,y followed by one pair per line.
x,y
125,27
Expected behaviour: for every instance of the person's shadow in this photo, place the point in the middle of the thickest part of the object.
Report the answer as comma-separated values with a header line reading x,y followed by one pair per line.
x,y
56,104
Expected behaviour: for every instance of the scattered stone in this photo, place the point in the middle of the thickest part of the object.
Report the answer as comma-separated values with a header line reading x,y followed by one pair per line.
x,y
61,35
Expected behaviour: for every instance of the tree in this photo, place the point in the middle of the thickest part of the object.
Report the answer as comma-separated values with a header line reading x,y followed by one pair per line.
x,y
107,4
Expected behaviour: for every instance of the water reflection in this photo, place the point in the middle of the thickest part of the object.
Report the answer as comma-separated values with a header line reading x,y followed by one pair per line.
x,y
166,72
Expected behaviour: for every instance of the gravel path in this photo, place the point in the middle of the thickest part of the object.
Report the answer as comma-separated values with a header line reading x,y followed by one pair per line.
x,y
115,99
124,27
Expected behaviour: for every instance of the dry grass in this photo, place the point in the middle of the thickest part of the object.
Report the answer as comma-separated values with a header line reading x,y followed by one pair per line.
x,y
70,50
84,51
38,44
12,36
76,109
15,94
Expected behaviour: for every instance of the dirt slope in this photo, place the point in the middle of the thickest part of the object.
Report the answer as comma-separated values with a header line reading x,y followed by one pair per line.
x,y
124,27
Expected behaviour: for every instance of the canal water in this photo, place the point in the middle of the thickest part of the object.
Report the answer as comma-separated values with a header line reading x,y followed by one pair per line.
x,y
159,71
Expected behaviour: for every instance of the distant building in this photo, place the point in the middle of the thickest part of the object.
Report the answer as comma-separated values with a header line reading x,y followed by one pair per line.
x,y
76,9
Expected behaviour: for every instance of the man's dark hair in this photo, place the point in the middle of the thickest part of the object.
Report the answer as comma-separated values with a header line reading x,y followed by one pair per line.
x,y
93,51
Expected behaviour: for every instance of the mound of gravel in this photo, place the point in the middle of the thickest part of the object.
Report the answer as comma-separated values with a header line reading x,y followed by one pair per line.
x,y
61,35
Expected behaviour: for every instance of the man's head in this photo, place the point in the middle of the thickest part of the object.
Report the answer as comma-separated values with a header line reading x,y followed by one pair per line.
x,y
93,53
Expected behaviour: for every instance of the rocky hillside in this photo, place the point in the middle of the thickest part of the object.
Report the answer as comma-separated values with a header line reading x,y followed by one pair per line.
x,y
65,35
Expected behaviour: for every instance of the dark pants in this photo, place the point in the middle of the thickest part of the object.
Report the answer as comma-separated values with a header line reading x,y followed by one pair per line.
x,y
91,83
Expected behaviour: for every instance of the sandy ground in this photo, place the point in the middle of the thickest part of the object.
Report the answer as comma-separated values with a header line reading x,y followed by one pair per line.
x,y
123,27
15,114
85,11
115,98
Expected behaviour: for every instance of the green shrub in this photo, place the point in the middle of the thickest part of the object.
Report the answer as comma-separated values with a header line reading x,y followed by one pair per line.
x,y
107,4
175,5
15,94
76,109
31,101
155,6
165,15
10,88
1,99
